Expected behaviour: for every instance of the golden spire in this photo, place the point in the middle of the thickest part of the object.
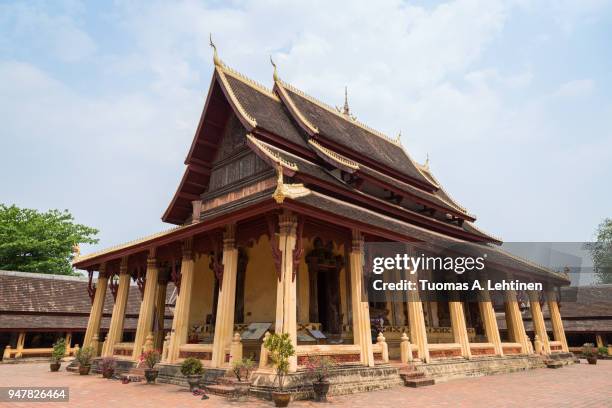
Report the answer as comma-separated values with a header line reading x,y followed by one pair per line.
x,y
275,74
426,165
216,58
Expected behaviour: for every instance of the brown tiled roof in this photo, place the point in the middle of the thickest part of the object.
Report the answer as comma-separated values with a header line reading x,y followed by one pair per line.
x,y
317,171
60,323
353,212
45,300
583,309
586,301
269,113
356,138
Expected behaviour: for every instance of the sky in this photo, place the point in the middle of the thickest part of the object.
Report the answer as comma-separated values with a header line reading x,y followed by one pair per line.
x,y
511,100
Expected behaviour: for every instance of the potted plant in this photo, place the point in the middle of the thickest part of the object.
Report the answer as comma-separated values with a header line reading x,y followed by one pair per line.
x,y
149,358
319,367
192,369
59,350
84,356
107,365
242,370
589,352
602,351
280,349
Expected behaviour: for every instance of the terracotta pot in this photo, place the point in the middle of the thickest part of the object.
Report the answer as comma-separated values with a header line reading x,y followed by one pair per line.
x,y
55,366
321,388
108,373
194,381
84,369
151,375
281,398
592,360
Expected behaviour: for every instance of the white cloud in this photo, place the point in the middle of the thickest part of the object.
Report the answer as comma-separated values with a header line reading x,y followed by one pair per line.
x,y
418,69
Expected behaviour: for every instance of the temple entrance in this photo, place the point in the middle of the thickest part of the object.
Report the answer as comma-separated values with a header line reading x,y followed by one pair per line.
x,y
324,281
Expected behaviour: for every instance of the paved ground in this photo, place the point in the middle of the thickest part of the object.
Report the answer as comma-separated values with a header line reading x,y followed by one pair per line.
x,y
574,386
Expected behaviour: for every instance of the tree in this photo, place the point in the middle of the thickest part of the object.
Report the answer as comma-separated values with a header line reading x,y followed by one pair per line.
x,y
44,242
601,251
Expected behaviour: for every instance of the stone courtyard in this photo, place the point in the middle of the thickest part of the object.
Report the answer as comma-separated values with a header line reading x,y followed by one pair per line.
x,y
579,385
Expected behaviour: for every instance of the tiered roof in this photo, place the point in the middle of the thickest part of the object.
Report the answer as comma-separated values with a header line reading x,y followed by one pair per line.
x,y
339,151
347,171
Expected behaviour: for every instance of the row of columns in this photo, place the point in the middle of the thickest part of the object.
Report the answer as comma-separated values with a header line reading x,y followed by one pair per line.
x,y
286,308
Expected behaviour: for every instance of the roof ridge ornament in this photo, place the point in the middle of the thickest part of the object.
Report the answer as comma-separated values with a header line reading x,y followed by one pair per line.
x,y
346,110
426,165
398,139
275,74
216,59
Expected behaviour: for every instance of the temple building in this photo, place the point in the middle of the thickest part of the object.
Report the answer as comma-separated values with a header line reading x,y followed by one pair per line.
x,y
279,195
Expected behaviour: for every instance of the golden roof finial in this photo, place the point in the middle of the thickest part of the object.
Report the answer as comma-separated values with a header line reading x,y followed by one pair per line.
x,y
216,58
426,165
398,139
76,250
275,74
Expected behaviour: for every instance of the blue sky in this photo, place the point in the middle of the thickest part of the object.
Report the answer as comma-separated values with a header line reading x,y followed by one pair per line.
x,y
512,100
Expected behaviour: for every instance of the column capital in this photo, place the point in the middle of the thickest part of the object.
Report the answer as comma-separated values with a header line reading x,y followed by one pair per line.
x,y
357,242
123,268
287,223
187,248
151,263
229,237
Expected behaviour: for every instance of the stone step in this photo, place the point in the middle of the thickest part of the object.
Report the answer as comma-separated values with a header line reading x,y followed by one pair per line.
x,y
419,382
412,374
553,364
220,389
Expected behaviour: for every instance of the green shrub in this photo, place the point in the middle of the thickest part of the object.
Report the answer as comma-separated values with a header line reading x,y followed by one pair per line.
x,y
280,348
59,350
589,350
243,368
84,356
191,366
602,351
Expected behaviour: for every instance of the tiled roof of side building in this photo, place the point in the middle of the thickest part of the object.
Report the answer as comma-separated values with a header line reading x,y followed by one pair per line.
x,y
25,292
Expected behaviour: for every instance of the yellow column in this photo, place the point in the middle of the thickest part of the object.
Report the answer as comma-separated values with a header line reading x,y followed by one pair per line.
x,y
115,331
147,306
515,321
68,342
20,345
416,319
555,319
538,319
361,311
490,321
97,307
459,328
286,311
160,312
180,322
226,301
